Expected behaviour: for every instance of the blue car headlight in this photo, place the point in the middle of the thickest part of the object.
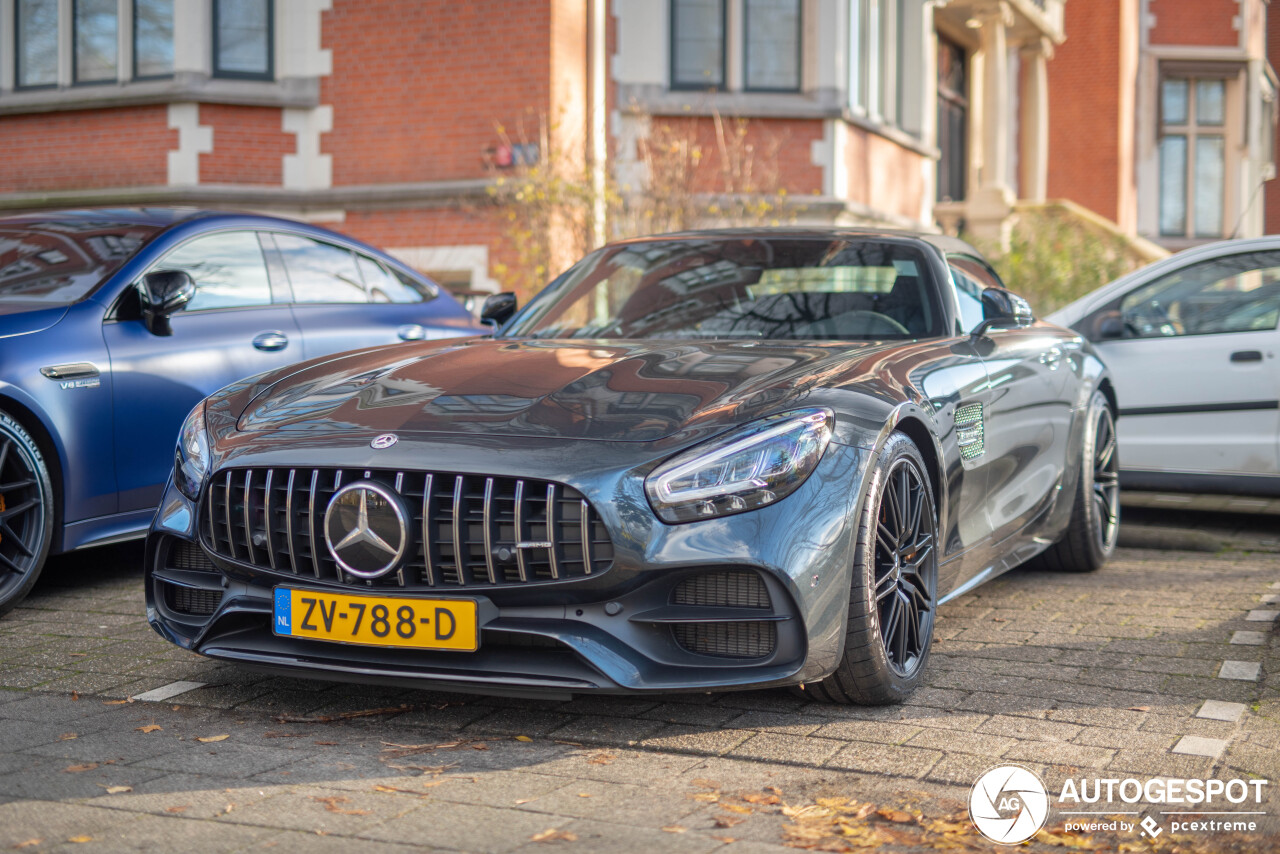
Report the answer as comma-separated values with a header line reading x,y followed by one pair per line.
x,y
191,458
762,463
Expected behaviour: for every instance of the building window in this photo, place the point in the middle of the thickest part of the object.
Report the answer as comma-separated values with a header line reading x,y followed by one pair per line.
x,y
1192,156
242,39
93,50
772,52
37,49
875,52
953,120
697,44
152,38
95,28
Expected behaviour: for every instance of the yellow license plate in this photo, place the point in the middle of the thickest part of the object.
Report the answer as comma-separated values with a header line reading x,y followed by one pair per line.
x,y
377,620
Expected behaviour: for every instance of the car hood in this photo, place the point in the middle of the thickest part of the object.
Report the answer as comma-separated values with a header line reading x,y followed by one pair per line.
x,y
633,391
22,317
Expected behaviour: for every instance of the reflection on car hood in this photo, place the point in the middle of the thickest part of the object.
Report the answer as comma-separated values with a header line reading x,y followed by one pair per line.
x,y
21,317
612,391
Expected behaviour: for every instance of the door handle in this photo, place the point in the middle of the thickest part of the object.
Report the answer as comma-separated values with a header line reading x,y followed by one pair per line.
x,y
411,332
271,341
1247,356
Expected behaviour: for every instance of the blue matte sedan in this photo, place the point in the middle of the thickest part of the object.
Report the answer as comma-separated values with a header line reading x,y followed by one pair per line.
x,y
115,323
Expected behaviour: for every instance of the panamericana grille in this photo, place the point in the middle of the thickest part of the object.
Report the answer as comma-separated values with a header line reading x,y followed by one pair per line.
x,y
755,639
465,531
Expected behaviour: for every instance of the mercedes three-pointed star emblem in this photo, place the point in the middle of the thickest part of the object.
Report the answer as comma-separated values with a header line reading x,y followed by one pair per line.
x,y
366,529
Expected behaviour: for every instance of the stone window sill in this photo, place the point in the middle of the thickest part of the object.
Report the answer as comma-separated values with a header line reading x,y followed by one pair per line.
x,y
182,87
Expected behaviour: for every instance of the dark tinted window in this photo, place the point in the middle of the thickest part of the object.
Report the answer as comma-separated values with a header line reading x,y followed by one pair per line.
x,y
320,272
776,288
63,261
228,269
1238,293
387,286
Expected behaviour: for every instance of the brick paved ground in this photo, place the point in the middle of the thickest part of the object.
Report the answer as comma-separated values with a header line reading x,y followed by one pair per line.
x,y
1074,676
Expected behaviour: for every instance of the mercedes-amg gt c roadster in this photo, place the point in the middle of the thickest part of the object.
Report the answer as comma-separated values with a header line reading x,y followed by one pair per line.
x,y
715,460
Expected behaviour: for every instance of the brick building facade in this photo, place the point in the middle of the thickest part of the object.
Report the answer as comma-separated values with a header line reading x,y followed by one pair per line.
x,y
1163,117
385,118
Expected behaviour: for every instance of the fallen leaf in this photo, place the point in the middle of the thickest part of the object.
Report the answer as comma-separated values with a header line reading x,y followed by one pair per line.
x,y
438,782
896,816
999,620
602,759
1139,708
67,736
393,789
523,738
76,769
77,655
75,695
178,809
584,794
705,783
773,790
674,828
80,839
521,801
117,790
116,702
553,835
28,843
149,728
331,804
210,739
729,820
725,839
768,800
284,735
326,743
363,713
705,797
738,808
479,745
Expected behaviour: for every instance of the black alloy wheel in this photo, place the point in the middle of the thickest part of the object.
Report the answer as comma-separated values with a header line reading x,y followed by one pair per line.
x,y
1106,480
893,595
1094,525
905,569
25,501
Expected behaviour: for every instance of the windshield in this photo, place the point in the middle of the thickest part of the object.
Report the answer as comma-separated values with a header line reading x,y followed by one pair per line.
x,y
783,288
62,261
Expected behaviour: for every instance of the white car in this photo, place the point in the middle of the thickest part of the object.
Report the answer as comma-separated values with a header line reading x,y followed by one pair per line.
x,y
1191,342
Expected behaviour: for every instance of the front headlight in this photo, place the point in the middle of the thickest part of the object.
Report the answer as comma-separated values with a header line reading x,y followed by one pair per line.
x,y
758,465
191,458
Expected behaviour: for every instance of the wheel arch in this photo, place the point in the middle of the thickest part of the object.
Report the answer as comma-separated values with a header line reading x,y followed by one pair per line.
x,y
31,420
920,434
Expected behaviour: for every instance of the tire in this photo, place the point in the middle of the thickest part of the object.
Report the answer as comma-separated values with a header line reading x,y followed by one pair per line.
x,y
26,513
893,592
1091,534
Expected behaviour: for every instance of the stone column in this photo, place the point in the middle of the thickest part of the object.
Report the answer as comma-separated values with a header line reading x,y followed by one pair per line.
x,y
991,203
1034,159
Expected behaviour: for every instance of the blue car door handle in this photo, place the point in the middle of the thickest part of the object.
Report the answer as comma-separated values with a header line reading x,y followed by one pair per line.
x,y
271,341
411,332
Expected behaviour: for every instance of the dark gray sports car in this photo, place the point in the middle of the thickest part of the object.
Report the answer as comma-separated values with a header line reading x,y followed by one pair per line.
x,y
698,461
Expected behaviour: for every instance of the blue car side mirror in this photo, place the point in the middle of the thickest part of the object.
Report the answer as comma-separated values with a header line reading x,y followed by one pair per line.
x,y
162,293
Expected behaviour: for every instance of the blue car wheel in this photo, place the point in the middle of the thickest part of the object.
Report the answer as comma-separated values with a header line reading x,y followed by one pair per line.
x,y
26,505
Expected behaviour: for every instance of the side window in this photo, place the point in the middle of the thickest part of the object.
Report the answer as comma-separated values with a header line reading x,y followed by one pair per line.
x,y
320,272
385,286
228,269
969,297
976,271
1239,293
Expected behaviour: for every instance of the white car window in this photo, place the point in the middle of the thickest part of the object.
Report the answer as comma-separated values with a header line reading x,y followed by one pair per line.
x,y
1238,293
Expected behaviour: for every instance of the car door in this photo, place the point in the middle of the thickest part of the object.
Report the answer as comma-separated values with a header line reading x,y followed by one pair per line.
x,y
232,328
1195,367
1027,417
344,299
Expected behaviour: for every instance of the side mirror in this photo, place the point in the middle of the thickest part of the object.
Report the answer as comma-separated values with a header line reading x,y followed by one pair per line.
x,y
162,293
1107,326
498,308
1004,309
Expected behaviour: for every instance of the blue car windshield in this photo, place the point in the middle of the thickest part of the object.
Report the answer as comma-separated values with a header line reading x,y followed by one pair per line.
x,y
775,287
61,261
